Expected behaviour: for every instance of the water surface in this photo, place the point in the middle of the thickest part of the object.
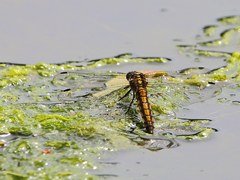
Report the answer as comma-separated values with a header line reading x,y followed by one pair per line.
x,y
53,31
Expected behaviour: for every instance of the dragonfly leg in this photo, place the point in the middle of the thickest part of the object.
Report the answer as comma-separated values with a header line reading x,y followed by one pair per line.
x,y
131,103
125,95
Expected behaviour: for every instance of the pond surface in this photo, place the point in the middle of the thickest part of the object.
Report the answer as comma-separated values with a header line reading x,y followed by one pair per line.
x,y
56,31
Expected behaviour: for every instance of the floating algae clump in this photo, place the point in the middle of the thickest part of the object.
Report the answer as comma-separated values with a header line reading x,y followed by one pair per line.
x,y
13,76
67,141
124,58
43,135
229,72
235,20
52,129
209,30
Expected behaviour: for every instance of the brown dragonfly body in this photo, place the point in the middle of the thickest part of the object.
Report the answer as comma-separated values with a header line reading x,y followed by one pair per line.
x,y
138,84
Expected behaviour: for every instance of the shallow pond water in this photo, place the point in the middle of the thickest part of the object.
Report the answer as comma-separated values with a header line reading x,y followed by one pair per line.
x,y
54,32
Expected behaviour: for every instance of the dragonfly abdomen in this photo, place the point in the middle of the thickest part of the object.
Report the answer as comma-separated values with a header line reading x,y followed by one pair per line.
x,y
138,84
145,109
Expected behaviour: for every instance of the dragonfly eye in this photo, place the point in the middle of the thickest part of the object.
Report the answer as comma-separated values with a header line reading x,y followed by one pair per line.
x,y
130,75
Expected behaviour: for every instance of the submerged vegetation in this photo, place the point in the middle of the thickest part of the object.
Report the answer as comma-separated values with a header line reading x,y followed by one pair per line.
x,y
56,120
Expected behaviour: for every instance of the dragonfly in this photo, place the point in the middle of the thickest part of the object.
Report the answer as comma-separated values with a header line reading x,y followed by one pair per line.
x,y
151,89
138,85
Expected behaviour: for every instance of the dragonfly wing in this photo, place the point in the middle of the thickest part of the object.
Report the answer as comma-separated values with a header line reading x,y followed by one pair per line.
x,y
196,94
72,85
112,85
165,96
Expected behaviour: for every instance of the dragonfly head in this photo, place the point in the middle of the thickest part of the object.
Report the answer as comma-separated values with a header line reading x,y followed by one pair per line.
x,y
132,74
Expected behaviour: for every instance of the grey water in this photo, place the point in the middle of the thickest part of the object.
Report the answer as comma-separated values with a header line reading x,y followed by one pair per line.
x,y
57,31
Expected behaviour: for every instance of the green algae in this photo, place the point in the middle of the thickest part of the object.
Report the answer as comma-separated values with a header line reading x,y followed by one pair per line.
x,y
60,144
232,20
124,58
209,30
35,123
204,53
227,33
69,135
226,73
225,38
17,74
229,72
